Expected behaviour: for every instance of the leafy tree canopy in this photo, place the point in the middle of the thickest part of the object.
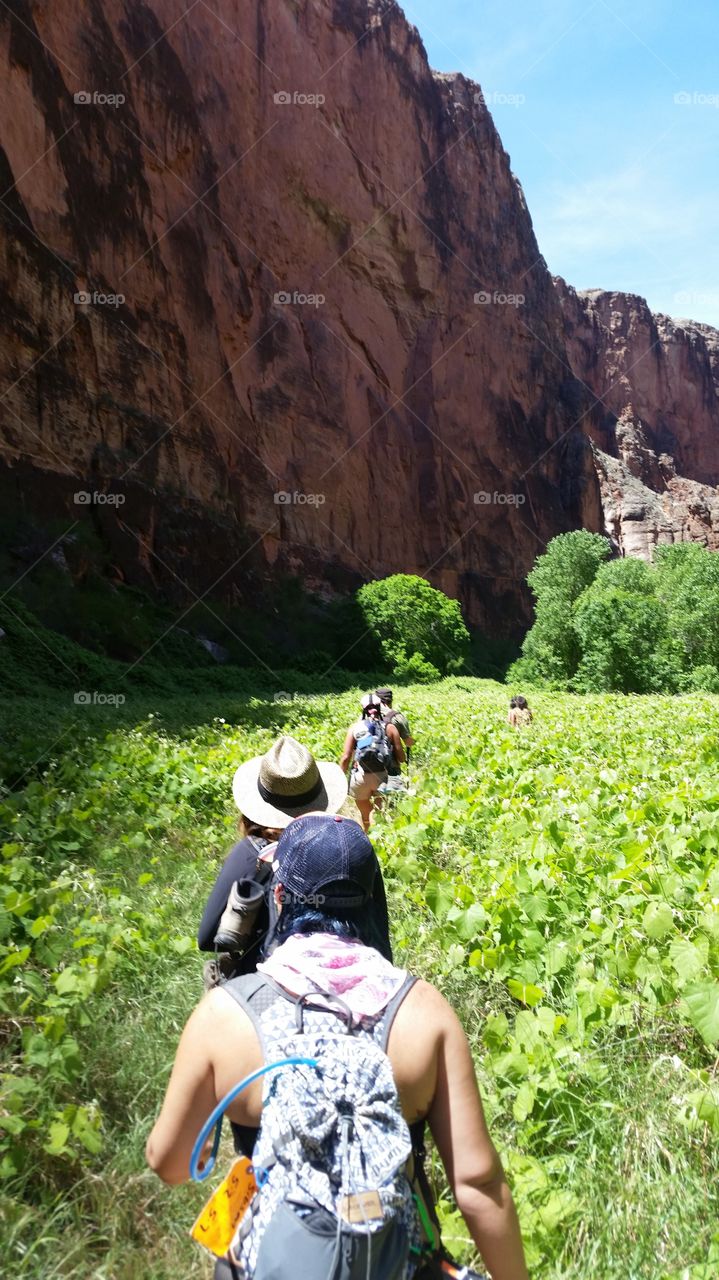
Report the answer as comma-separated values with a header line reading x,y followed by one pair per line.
x,y
622,624
420,631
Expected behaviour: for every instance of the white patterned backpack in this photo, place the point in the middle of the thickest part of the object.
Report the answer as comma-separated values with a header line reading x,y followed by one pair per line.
x,y
334,1201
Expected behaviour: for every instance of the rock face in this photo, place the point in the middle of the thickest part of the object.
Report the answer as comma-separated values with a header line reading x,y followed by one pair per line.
x,y
656,439
271,302
297,214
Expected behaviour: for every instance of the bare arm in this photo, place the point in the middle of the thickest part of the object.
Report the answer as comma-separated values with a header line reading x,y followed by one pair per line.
x,y
397,746
189,1099
348,750
475,1174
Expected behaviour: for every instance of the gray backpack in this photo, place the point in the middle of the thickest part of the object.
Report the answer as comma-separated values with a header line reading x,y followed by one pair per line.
x,y
334,1201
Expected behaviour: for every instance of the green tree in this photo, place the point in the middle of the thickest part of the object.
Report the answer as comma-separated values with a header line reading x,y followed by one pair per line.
x,y
688,584
550,653
621,627
420,631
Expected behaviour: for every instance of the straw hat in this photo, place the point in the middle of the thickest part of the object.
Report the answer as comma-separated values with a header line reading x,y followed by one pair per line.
x,y
286,782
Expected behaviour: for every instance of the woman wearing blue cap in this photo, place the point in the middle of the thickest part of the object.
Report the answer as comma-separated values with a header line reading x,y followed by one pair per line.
x,y
326,971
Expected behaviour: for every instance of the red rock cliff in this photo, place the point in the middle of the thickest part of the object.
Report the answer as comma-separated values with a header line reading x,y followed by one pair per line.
x,y
268,282
656,433
267,150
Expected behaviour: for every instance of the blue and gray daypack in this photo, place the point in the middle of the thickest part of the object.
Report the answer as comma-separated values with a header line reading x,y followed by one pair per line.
x,y
373,752
334,1200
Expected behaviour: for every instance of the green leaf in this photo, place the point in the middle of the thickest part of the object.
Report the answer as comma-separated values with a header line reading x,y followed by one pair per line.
x,y
439,897
525,992
702,1002
181,946
560,1206
688,958
59,1132
524,1101
658,920
40,926
67,981
12,1124
14,959
495,1029
471,921
526,1031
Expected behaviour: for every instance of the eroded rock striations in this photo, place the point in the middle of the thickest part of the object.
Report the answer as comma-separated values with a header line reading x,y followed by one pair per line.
x,y
656,436
272,302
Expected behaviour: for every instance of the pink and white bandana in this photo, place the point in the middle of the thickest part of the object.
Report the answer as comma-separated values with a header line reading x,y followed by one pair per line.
x,y
359,975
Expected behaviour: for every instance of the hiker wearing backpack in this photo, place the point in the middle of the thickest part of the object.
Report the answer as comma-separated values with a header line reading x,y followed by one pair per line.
x,y
380,1053
519,714
372,748
391,715
270,791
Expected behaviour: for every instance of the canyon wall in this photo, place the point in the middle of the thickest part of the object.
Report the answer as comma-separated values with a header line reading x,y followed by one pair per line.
x,y
297,216
655,427
271,303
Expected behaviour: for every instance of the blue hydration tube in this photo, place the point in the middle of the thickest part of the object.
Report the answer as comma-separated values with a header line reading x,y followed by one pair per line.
x,y
216,1118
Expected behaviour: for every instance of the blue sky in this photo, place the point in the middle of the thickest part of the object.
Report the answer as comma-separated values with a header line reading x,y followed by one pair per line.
x,y
622,180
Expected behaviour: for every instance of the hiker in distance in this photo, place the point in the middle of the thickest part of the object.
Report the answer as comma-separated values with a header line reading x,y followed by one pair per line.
x,y
519,713
269,791
373,749
386,1052
392,715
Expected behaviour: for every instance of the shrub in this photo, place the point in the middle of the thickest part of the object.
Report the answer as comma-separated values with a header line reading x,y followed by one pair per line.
x,y
415,624
415,669
619,633
704,679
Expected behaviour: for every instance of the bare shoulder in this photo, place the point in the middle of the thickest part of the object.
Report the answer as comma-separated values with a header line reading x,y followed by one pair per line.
x,y
222,1008
426,1006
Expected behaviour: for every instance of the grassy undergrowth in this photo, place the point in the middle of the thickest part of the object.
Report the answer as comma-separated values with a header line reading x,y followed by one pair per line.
x,y
559,884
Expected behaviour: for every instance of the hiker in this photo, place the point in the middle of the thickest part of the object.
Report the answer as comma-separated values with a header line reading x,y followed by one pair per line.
x,y
519,713
269,792
370,746
391,715
332,1155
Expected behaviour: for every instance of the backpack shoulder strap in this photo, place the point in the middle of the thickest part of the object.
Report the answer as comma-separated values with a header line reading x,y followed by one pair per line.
x,y
255,994
388,1017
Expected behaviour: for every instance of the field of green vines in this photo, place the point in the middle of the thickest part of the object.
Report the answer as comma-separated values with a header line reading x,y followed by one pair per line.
x,y
560,884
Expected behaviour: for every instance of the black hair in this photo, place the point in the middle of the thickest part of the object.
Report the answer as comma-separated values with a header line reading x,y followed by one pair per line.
x,y
360,923
520,701
250,828
512,702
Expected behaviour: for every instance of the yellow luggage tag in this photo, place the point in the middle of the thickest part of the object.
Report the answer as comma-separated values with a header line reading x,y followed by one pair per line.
x,y
216,1226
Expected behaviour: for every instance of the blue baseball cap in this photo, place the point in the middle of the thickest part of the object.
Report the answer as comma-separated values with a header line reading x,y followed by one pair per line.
x,y
330,853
